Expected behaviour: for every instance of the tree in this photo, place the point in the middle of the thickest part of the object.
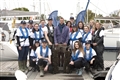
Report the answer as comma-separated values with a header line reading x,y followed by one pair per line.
x,y
22,9
91,15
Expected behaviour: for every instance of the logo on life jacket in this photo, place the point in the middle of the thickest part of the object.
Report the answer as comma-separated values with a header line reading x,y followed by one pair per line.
x,y
23,35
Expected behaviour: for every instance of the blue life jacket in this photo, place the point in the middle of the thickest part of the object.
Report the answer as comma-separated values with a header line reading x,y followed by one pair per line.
x,y
23,35
90,54
84,37
40,35
41,52
74,38
75,56
82,32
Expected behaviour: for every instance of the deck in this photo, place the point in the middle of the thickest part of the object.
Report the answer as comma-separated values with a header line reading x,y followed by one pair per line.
x,y
8,68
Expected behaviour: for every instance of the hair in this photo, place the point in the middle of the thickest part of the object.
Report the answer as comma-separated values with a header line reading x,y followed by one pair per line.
x,y
61,18
33,30
76,29
80,47
34,46
87,26
69,22
82,24
42,20
98,23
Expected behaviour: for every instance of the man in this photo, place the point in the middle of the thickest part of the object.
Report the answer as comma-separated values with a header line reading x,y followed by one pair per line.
x,y
30,25
72,21
44,55
43,26
61,37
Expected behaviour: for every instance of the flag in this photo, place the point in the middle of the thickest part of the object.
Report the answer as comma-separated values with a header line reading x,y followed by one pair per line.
x,y
80,17
54,15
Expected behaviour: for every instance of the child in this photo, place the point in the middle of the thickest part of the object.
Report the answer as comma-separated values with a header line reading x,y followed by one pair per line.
x,y
90,56
77,58
33,56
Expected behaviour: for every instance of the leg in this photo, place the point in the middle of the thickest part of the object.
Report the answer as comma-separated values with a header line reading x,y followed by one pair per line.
x,y
87,66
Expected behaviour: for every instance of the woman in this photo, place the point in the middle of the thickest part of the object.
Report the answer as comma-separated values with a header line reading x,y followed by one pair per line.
x,y
69,25
37,34
44,55
86,36
77,58
74,36
90,57
33,56
98,45
23,44
81,27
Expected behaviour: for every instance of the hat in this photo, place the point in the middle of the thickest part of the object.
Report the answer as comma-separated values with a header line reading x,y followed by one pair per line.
x,y
23,22
30,21
71,17
44,41
87,42
50,19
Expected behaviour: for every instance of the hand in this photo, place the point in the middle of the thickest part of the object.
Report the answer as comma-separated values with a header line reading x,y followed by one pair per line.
x,y
20,48
91,62
30,47
46,68
56,44
94,44
50,43
64,44
72,63
34,59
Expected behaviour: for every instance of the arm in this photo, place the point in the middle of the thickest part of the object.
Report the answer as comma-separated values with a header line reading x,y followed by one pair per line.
x,y
18,41
47,38
100,40
67,38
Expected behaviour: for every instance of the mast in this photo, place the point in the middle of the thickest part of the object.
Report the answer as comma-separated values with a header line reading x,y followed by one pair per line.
x,y
40,7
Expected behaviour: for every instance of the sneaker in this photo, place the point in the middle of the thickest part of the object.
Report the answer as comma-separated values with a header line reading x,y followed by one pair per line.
x,y
41,73
80,71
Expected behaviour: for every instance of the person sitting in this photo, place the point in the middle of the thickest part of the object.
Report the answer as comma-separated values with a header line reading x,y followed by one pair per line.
x,y
33,56
77,58
90,57
44,56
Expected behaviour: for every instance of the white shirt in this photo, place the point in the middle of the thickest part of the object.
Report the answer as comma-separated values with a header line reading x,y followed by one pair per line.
x,y
32,53
51,28
89,37
101,33
80,54
77,37
22,42
87,53
44,51
44,29
32,35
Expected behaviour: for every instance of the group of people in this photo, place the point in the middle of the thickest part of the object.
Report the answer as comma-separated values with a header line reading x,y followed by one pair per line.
x,y
67,45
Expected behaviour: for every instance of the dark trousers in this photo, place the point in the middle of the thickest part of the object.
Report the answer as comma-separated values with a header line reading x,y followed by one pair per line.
x,y
99,50
77,64
33,64
42,62
22,54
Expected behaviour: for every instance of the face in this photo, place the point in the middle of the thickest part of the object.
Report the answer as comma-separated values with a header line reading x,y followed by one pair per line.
x,y
61,21
37,44
91,23
36,27
97,25
30,25
74,28
71,20
76,46
87,46
68,24
80,25
42,22
44,44
50,22
86,29
23,25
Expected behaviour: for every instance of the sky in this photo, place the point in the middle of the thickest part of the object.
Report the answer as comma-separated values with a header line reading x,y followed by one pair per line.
x,y
64,7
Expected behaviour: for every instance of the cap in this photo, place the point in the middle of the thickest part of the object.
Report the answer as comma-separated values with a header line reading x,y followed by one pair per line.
x,y
23,22
30,21
71,17
87,42
44,41
50,19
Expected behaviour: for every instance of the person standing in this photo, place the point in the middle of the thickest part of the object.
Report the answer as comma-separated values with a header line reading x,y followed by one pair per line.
x,y
81,27
23,43
98,45
87,35
44,58
69,25
61,37
72,20
30,25
43,26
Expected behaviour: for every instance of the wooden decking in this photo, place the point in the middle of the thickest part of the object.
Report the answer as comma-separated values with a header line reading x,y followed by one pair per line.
x,y
8,68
